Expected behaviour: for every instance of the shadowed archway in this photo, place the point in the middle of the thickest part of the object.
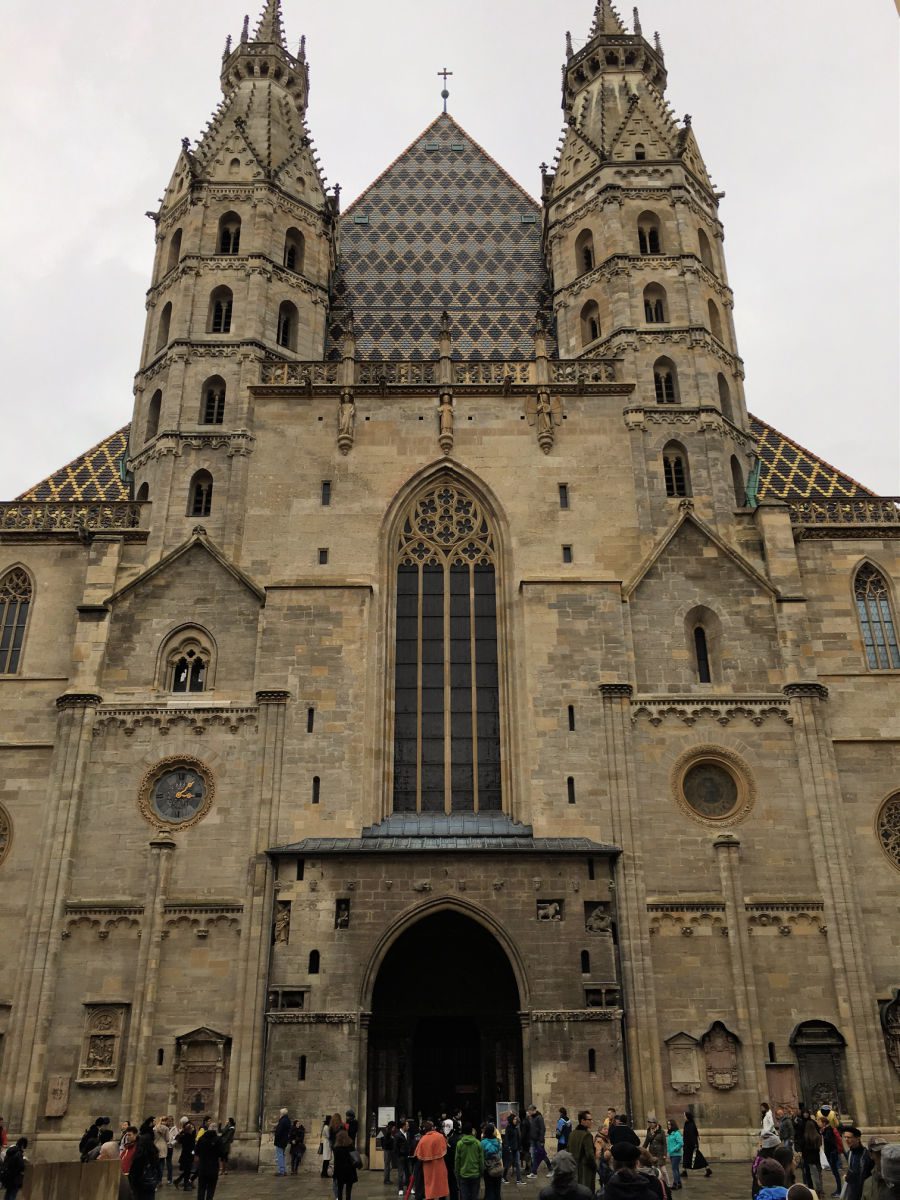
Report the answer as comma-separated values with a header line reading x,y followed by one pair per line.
x,y
445,1030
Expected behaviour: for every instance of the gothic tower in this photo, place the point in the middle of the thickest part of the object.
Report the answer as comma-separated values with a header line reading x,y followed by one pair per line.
x,y
635,246
245,251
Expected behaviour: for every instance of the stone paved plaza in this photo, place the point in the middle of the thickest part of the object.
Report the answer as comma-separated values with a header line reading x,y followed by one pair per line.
x,y
730,1181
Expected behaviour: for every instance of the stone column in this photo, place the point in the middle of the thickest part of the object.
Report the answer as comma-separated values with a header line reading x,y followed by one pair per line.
x,y
857,1005
244,1090
41,939
639,995
746,998
146,979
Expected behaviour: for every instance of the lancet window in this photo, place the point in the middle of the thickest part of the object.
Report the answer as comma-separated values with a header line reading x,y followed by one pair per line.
x,y
876,620
15,601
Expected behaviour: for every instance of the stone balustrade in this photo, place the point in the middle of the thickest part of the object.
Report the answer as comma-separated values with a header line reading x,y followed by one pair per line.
x,y
62,516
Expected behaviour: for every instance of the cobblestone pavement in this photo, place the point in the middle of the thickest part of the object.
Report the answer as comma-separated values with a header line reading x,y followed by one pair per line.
x,y
730,1181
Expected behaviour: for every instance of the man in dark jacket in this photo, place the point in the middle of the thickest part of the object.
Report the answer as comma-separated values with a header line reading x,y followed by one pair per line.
x,y
12,1170
859,1164
627,1182
620,1131
564,1184
538,1137
581,1147
281,1135
208,1154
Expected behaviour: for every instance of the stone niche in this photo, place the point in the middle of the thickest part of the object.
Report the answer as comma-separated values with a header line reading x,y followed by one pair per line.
x,y
684,1064
720,1055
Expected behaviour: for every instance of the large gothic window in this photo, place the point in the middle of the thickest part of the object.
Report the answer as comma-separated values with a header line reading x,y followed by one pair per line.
x,y
447,710
15,601
873,604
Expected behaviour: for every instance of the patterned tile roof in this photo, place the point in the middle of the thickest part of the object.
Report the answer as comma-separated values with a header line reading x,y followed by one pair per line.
x,y
791,472
444,227
94,475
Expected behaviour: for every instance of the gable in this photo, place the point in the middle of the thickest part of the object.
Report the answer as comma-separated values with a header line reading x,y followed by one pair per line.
x,y
441,229
94,475
642,124
788,471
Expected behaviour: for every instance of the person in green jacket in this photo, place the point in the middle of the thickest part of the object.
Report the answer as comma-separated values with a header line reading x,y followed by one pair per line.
x,y
581,1147
468,1163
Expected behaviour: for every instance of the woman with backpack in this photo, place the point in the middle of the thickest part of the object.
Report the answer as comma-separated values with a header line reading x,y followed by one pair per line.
x,y
563,1130
493,1162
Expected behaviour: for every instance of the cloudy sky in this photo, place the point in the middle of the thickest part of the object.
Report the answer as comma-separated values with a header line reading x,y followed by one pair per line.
x,y
795,105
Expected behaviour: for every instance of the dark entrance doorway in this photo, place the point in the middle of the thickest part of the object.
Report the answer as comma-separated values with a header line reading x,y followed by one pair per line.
x,y
445,1030
821,1051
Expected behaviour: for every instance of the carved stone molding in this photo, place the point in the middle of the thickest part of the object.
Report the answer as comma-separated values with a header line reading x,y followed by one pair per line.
x,y
308,1018
201,918
557,1016
272,697
6,833
78,700
783,919
723,710
164,719
169,442
806,691
616,691
101,1047
728,763
720,1053
102,919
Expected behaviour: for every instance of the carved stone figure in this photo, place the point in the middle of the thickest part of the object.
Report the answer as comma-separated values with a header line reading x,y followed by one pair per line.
x,y
720,1052
597,918
549,910
346,422
545,412
684,1070
445,422
282,927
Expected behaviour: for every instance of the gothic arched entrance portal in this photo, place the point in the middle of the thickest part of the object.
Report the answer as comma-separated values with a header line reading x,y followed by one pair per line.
x,y
445,1030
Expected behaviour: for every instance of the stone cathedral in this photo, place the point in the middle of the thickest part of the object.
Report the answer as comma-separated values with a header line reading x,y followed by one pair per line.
x,y
338,769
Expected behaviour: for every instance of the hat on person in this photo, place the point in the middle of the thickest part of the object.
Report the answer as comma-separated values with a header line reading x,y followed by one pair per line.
x,y
626,1152
769,1141
876,1142
564,1166
890,1162
184,1121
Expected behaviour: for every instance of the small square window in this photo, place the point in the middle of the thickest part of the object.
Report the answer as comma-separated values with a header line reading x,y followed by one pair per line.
x,y
563,495
432,147
361,219
567,554
529,218
323,556
326,492
457,147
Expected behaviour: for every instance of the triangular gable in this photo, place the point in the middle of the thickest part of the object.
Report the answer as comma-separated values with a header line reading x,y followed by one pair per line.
x,y
788,471
689,152
643,123
200,540
686,516
443,228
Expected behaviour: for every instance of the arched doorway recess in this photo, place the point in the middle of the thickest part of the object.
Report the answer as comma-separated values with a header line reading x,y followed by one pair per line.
x,y
445,1030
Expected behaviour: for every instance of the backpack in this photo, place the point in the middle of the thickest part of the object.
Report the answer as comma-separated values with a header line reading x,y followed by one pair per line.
x,y
493,1166
563,1129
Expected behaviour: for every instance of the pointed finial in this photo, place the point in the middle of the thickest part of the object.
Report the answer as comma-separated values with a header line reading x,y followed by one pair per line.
x,y
637,23
245,32
445,94
657,42
302,54
227,52
270,27
687,120
569,49
186,144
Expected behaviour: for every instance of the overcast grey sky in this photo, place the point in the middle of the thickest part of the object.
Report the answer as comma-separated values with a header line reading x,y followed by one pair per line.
x,y
794,102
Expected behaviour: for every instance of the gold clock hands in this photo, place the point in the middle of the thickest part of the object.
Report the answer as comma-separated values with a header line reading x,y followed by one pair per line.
x,y
185,793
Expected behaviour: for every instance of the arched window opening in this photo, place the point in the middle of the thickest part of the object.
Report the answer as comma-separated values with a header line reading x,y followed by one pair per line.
x,y
725,398
706,256
640,152
213,409
316,789
201,495
143,493
701,653
294,250
715,321
154,409
649,237
876,619
584,251
675,470
446,682
592,1061
165,320
186,660
570,789
220,305
287,325
571,718
174,251
16,595
229,233
737,482
314,961
665,381
590,323
655,304
585,962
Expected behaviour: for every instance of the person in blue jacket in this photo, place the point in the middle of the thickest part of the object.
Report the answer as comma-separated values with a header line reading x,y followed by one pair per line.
x,y
675,1148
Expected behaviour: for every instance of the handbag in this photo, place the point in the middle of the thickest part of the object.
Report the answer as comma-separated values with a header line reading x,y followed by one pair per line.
x,y
319,1151
356,1158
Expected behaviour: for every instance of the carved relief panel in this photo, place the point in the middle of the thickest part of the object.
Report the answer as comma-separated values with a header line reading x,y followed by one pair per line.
x,y
684,1069
890,1027
101,1047
720,1054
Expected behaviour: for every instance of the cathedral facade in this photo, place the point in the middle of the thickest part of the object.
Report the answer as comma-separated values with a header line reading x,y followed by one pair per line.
x,y
338,769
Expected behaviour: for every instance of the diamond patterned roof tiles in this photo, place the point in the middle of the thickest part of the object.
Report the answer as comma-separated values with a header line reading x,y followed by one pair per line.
x,y
441,228
94,475
791,472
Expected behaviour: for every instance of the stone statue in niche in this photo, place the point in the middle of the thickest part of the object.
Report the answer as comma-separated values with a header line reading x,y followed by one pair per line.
x,y
597,917
346,422
890,1027
281,930
445,422
720,1052
342,914
549,910
545,412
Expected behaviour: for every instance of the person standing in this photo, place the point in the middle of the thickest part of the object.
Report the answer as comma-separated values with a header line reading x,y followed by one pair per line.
x,y
563,1182
12,1171
431,1152
387,1149
876,1186
186,1140
810,1145
833,1147
525,1139
538,1135
493,1162
581,1147
785,1126
693,1156
858,1163
281,1135
401,1156
161,1131
512,1144
352,1125
143,1167
767,1120
325,1145
297,1142
468,1163
674,1149
563,1130
227,1136
655,1144
344,1167
628,1181
207,1161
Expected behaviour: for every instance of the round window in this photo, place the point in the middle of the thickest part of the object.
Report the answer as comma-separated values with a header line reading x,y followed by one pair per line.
x,y
713,785
888,827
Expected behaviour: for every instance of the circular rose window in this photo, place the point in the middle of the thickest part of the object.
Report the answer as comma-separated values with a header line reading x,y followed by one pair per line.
x,y
888,826
713,785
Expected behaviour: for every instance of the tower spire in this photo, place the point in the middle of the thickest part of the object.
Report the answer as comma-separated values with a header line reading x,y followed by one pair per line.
x,y
270,27
606,19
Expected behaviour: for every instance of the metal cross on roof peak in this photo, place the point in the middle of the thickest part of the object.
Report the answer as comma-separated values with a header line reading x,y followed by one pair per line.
x,y
445,95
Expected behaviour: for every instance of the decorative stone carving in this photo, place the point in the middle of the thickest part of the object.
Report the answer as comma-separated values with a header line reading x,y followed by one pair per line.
x,y
545,412
684,1070
58,1095
164,719
176,793
102,918
713,785
720,1053
445,422
890,1027
309,1018
887,826
281,926
597,917
101,1046
556,1016
346,422
422,886
689,709
342,914
550,910
5,833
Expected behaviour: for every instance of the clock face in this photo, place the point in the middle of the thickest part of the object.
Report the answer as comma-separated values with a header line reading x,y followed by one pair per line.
x,y
710,790
178,795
